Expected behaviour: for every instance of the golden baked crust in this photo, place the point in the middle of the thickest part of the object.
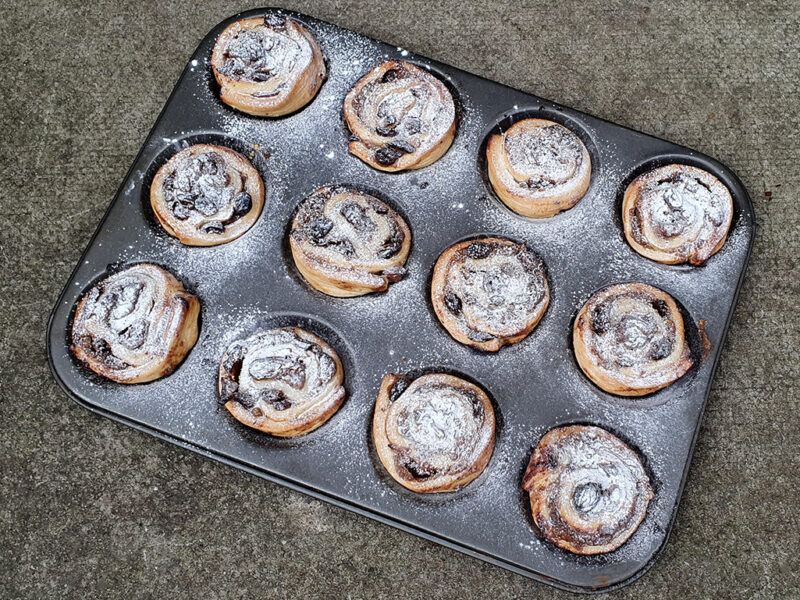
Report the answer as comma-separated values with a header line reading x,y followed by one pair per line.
x,y
401,117
434,433
267,66
630,340
589,491
136,325
489,292
207,195
677,214
348,243
538,168
285,381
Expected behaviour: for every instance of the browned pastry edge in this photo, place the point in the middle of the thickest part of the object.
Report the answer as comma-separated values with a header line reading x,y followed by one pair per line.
x,y
364,148
184,307
341,282
547,205
253,185
544,476
446,482
310,419
243,95
631,218
584,326
454,325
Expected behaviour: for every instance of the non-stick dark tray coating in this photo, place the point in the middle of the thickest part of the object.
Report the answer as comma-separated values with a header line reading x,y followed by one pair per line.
x,y
535,385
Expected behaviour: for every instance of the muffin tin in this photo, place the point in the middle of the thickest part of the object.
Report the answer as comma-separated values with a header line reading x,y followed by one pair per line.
x,y
535,385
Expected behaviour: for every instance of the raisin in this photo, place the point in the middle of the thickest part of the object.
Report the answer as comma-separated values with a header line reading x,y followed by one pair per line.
x,y
233,361
661,349
135,335
477,406
453,303
186,198
479,336
401,146
180,211
320,228
276,398
209,163
418,471
389,249
395,274
387,156
261,76
661,307
413,125
245,400
478,250
400,386
389,76
242,204
215,227
274,21
599,320
229,390
205,206
357,217
343,246
386,131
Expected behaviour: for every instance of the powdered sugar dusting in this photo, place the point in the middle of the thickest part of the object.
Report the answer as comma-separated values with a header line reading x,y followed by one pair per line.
x,y
250,284
439,427
544,157
680,210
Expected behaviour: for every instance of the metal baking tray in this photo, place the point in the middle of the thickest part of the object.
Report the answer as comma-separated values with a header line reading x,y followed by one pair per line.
x,y
535,385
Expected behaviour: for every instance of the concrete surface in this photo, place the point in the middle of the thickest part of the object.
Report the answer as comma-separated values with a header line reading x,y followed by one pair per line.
x,y
89,508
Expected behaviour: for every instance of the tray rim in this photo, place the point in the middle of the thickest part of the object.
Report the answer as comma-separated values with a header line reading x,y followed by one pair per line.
x,y
751,225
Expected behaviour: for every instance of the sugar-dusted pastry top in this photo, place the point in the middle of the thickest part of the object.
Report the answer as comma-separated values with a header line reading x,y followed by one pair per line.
x,y
588,490
400,116
489,292
346,242
283,381
538,168
268,66
677,214
630,339
135,325
207,195
434,433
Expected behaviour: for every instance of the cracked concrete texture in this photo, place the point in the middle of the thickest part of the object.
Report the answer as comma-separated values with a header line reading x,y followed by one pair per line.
x,y
94,509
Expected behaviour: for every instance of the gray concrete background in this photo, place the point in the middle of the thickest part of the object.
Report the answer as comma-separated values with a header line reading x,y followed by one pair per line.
x,y
89,508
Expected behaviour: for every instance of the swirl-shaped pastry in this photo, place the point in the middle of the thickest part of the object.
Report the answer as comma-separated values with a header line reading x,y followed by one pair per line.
x,y
538,168
677,214
268,67
589,491
433,434
136,325
401,117
207,195
347,243
489,292
286,381
630,340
